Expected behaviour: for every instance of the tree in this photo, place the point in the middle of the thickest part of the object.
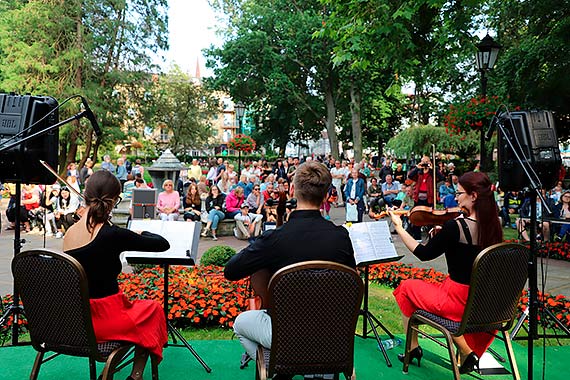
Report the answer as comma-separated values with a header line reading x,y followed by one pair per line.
x,y
532,68
61,48
185,108
417,140
271,62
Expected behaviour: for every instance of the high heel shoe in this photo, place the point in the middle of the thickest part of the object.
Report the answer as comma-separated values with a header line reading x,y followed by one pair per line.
x,y
416,353
469,364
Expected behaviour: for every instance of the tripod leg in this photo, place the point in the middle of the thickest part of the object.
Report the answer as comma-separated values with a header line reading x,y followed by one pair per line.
x,y
561,325
519,324
189,347
369,317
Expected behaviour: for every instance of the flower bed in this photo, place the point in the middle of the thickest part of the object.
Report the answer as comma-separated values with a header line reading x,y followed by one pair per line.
x,y
392,274
198,296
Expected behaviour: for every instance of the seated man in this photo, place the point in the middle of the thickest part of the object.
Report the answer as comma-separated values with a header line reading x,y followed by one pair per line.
x,y
390,189
306,236
248,225
523,223
446,189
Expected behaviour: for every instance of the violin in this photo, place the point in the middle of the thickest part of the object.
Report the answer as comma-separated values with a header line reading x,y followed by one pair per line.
x,y
428,216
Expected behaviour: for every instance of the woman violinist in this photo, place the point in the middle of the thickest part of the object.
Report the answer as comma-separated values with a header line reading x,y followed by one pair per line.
x,y
97,245
460,240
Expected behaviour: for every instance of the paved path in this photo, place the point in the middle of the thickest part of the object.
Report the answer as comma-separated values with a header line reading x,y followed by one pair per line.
x,y
558,272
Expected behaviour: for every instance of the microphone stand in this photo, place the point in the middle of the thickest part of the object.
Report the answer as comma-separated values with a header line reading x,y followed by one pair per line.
x,y
15,309
535,187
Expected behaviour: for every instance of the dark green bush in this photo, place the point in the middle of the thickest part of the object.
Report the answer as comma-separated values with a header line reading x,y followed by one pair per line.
x,y
218,255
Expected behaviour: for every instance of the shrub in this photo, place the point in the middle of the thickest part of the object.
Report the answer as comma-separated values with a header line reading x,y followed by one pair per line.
x,y
218,255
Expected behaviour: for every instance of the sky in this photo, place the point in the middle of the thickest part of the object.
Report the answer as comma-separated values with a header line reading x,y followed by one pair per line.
x,y
191,26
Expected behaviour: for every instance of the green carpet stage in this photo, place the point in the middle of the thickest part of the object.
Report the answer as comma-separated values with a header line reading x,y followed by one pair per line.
x,y
223,357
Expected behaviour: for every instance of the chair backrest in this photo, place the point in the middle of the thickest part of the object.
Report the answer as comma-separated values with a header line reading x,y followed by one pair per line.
x,y
54,292
314,309
498,278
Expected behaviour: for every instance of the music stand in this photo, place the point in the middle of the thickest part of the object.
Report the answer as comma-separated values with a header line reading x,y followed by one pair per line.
x,y
373,244
144,203
181,252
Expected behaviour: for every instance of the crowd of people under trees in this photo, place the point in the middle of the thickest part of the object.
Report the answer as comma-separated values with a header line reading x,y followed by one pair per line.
x,y
211,190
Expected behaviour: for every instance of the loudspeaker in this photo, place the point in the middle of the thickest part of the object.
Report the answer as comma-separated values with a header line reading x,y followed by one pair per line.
x,y
533,135
144,203
21,163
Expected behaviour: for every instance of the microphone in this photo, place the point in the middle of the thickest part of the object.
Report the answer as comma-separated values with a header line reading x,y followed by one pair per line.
x,y
491,128
91,117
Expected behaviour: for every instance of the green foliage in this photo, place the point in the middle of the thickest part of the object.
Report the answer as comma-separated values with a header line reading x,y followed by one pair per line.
x,y
418,140
218,255
183,107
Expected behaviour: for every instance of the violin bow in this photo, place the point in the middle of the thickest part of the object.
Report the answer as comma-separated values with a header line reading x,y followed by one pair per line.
x,y
434,177
69,186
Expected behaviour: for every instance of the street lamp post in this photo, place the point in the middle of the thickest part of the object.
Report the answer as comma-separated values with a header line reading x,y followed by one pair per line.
x,y
239,110
487,52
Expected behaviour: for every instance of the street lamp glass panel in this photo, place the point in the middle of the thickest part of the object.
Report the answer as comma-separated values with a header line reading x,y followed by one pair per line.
x,y
488,50
240,110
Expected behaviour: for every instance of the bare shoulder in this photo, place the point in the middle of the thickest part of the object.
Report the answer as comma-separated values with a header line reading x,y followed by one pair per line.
x,y
77,236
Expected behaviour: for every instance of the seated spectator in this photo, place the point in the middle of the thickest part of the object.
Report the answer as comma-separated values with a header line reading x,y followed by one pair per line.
x,y
243,183
269,192
64,213
543,227
248,225
203,187
563,212
234,201
446,189
128,187
390,189
255,200
224,183
215,208
374,193
168,202
511,205
192,204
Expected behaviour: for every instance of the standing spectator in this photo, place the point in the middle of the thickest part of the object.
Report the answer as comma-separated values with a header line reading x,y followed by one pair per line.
x,y
72,171
50,203
128,164
292,169
107,164
212,173
121,173
138,168
168,202
220,169
385,170
195,170
215,208
86,171
338,174
354,192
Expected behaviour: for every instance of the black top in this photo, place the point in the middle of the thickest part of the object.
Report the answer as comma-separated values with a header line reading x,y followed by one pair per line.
x,y
306,236
218,201
100,258
459,254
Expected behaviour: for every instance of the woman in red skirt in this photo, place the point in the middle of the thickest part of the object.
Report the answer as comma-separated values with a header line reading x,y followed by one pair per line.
x,y
97,245
460,240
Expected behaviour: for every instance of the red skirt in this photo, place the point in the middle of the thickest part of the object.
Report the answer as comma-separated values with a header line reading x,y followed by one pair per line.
x,y
446,299
140,322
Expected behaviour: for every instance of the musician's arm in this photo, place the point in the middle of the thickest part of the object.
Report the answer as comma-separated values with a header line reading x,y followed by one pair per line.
x,y
251,259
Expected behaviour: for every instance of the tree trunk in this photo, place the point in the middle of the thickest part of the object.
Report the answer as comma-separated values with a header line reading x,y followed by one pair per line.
x,y
331,118
355,116
96,150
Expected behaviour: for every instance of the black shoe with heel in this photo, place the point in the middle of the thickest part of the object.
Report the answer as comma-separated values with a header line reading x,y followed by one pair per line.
x,y
469,364
416,353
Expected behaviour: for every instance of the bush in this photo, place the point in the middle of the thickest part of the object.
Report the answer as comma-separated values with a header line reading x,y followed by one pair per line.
x,y
218,255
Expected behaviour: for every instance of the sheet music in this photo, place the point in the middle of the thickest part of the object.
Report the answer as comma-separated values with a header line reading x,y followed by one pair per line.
x,y
182,236
372,242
